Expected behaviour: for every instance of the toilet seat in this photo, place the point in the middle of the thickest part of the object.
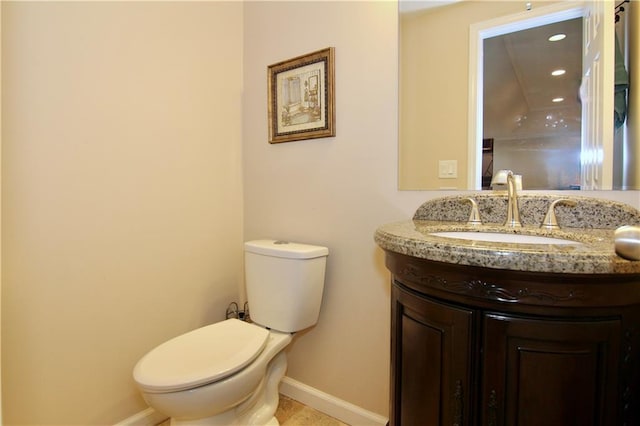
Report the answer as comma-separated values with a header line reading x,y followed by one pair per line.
x,y
201,356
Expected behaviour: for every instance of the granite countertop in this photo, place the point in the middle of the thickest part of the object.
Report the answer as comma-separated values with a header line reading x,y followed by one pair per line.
x,y
591,223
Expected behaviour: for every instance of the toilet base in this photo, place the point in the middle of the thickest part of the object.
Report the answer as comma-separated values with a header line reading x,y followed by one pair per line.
x,y
258,410
218,422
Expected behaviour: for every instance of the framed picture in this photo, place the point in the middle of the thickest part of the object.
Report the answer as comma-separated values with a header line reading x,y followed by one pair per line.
x,y
301,104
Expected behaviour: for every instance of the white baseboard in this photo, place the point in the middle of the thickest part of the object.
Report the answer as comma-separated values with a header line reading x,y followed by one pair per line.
x,y
148,417
337,408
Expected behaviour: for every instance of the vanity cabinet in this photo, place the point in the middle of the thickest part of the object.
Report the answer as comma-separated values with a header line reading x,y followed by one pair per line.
x,y
481,346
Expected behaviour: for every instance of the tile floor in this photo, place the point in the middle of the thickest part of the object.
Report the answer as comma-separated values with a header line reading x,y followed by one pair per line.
x,y
292,413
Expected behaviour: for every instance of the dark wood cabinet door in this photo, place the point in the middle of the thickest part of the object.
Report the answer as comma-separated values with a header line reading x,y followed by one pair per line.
x,y
431,347
549,372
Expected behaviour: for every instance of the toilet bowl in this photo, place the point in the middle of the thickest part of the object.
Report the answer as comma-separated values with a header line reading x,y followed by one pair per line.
x,y
195,385
228,373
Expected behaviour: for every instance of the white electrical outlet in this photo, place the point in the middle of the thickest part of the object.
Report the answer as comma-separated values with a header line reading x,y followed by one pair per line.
x,y
448,169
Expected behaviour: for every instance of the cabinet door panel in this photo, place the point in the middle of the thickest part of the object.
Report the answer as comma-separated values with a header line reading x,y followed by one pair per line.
x,y
557,372
432,378
421,372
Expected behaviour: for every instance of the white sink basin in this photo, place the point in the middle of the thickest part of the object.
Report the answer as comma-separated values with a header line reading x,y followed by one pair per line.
x,y
496,237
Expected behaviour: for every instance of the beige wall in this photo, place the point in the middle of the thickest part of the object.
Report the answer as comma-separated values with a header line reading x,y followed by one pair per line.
x,y
1,422
330,191
122,197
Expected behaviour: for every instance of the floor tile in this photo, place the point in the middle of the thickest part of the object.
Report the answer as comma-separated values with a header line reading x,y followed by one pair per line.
x,y
292,413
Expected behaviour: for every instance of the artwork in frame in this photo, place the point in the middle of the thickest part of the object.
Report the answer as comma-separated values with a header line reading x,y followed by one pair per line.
x,y
301,97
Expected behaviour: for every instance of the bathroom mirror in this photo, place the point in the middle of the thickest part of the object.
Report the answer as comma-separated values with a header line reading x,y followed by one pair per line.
x,y
439,118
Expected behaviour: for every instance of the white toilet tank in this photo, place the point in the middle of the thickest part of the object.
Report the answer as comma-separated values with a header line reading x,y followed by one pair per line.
x,y
284,283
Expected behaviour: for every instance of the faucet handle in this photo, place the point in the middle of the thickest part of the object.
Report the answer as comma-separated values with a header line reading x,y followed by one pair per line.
x,y
474,217
550,221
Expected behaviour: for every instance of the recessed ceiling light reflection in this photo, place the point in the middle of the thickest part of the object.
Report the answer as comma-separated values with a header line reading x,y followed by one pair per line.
x,y
556,73
556,100
557,37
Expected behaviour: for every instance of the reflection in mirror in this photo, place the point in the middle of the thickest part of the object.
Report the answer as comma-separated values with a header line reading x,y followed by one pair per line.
x,y
436,114
531,108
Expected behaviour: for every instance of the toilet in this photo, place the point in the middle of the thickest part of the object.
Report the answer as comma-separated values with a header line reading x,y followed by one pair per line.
x,y
228,373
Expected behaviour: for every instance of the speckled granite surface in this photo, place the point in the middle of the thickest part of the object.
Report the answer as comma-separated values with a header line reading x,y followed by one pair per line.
x,y
588,212
591,222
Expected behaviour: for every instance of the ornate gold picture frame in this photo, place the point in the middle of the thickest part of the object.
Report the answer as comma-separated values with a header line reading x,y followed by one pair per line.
x,y
301,97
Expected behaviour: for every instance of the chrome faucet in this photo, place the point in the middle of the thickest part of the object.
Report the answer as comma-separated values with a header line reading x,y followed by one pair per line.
x,y
474,216
513,211
550,221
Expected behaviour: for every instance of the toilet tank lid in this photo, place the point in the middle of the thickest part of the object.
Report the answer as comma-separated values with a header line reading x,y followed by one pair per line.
x,y
290,250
